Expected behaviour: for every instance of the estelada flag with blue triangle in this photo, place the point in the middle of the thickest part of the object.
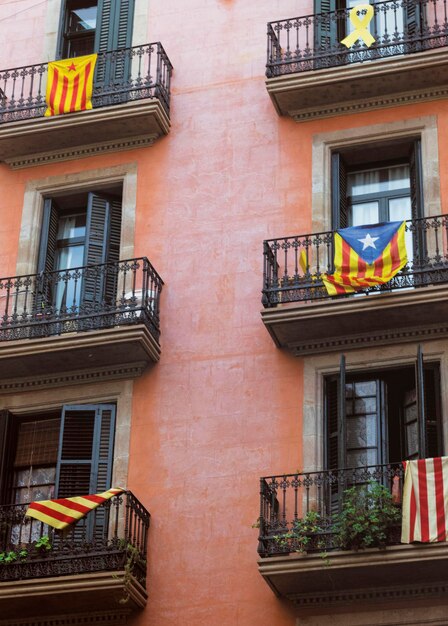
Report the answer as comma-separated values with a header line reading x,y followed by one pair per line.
x,y
365,256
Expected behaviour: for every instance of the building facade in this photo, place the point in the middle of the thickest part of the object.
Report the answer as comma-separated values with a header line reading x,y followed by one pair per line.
x,y
139,242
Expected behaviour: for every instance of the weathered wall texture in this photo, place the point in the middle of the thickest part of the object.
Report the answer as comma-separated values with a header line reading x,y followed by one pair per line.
x,y
224,406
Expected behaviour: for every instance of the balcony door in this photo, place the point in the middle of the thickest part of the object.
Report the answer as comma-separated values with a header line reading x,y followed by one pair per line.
x,y
100,26
383,416
392,25
78,257
56,455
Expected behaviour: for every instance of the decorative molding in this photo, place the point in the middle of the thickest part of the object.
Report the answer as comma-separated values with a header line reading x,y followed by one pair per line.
x,y
389,336
107,618
330,599
357,106
70,154
83,376
351,88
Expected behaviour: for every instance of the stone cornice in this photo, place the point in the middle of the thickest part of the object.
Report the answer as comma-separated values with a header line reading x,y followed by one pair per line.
x,y
357,87
82,376
86,133
79,152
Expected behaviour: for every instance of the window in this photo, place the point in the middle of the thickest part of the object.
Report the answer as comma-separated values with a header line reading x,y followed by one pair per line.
x,y
63,454
79,230
79,28
368,190
95,26
383,416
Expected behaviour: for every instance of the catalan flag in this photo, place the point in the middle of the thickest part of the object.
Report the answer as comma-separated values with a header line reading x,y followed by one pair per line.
x,y
70,85
425,501
365,256
62,512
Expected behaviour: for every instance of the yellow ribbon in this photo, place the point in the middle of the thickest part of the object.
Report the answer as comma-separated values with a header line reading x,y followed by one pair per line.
x,y
360,32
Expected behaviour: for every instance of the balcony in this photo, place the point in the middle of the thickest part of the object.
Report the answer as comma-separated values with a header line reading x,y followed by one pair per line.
x,y
128,112
301,316
103,318
315,568
310,74
98,563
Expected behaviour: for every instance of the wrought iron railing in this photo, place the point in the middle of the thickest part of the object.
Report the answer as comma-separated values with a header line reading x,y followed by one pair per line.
x,y
120,76
294,266
107,539
80,299
312,42
287,498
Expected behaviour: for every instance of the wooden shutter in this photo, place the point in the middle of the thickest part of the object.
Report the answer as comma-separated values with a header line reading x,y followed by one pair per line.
x,y
102,246
339,204
336,434
85,460
114,32
47,253
326,30
412,23
421,403
433,424
85,449
6,456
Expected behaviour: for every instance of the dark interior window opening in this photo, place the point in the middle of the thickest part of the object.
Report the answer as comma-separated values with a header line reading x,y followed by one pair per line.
x,y
61,454
377,182
79,28
373,416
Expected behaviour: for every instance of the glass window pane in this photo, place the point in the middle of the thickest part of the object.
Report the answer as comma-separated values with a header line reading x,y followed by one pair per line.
x,y
72,226
362,458
82,19
360,183
362,432
364,213
379,180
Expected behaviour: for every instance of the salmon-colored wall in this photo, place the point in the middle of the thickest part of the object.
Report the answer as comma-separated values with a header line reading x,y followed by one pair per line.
x,y
223,406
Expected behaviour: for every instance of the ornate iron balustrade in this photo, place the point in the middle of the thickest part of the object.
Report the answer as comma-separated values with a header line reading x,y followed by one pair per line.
x,y
290,497
294,266
120,76
312,42
104,540
80,299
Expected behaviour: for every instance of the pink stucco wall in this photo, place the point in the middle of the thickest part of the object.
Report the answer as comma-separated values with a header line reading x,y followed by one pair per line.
x,y
223,407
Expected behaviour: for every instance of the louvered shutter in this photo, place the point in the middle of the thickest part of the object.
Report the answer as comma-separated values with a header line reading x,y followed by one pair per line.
x,y
113,253
114,32
412,21
325,32
97,237
102,246
417,210
6,459
336,437
46,260
339,203
432,410
85,459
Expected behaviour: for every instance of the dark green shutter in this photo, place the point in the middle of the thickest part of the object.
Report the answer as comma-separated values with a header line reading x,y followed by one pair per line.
x,y
85,460
431,375
47,253
6,459
412,23
339,203
102,246
335,433
113,32
326,29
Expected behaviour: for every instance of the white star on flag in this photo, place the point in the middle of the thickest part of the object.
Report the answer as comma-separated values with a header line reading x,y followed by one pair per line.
x,y
368,242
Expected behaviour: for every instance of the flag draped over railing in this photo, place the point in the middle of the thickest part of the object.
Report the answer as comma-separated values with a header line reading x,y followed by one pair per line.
x,y
365,256
70,85
62,512
425,500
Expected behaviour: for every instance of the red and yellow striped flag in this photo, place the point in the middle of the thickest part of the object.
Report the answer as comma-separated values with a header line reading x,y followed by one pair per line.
x,y
62,512
365,256
425,501
70,85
